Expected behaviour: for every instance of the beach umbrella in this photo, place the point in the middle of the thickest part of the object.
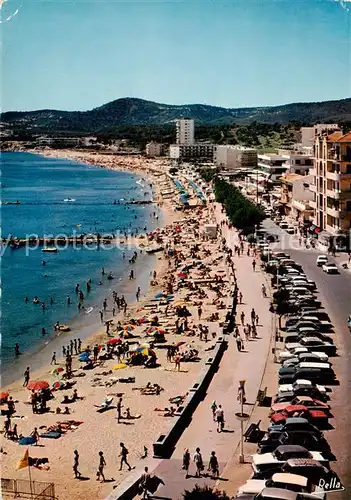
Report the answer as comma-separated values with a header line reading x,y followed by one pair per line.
x,y
4,395
124,335
128,328
119,366
159,295
145,345
57,385
142,320
145,351
84,357
37,385
57,371
114,341
182,275
159,331
27,440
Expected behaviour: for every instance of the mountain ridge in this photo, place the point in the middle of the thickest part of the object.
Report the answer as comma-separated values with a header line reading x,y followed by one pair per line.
x,y
129,111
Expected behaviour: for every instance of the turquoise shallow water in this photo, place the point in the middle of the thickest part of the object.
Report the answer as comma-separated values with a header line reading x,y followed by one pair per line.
x,y
41,184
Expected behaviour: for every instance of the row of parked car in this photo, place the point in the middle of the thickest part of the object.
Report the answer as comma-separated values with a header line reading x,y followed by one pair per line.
x,y
293,457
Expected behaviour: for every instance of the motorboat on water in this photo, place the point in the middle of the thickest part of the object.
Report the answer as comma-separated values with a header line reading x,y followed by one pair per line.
x,y
69,200
50,249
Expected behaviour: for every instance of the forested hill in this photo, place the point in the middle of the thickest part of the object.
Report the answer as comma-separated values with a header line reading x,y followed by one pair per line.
x,y
132,111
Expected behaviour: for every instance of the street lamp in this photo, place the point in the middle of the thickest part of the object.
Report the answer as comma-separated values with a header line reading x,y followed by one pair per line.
x,y
242,417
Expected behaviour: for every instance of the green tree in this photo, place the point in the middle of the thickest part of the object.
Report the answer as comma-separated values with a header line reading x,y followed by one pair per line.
x,y
204,493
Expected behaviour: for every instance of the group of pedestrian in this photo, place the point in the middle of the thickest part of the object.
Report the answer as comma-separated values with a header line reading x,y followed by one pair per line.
x,y
213,465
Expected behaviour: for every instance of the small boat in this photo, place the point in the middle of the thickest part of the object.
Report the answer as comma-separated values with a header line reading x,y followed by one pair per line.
x,y
154,250
69,200
11,202
64,328
50,249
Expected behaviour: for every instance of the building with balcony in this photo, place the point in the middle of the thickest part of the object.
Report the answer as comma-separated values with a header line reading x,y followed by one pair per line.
x,y
332,182
298,160
296,196
192,152
309,133
185,131
273,166
228,157
154,149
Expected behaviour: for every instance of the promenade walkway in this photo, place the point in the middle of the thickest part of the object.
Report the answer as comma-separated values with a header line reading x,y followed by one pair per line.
x,y
248,365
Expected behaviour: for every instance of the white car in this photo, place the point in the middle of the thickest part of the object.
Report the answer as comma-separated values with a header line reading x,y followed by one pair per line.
x,y
300,381
290,230
282,480
321,259
286,355
330,268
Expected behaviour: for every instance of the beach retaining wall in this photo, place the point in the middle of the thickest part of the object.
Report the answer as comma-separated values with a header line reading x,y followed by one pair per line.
x,y
165,444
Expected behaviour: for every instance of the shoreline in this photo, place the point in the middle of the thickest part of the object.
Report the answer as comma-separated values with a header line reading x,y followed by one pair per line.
x,y
94,331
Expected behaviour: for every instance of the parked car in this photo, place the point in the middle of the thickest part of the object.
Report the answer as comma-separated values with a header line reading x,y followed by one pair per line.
x,y
330,268
307,439
282,453
285,355
321,259
304,385
293,424
290,230
289,375
306,401
277,494
307,467
306,358
315,344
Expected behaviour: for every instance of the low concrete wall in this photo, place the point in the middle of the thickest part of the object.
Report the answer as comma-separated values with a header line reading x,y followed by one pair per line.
x,y
164,446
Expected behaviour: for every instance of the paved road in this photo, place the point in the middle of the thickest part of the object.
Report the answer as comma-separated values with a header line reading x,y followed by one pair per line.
x,y
335,294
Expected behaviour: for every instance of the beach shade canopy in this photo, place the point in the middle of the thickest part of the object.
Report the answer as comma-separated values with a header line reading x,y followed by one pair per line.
x,y
57,371
114,341
145,351
180,302
4,395
85,357
144,344
120,366
37,385
159,295
27,440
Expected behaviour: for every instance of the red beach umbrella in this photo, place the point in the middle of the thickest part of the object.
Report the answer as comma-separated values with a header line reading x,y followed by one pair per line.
x,y
37,385
114,341
3,396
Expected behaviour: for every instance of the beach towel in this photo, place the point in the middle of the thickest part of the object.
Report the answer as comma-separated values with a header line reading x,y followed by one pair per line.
x,y
51,435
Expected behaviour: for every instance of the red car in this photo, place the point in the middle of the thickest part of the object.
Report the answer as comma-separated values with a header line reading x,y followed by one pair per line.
x,y
317,417
307,401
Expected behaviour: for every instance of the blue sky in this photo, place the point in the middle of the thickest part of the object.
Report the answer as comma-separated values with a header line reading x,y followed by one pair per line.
x,y
79,54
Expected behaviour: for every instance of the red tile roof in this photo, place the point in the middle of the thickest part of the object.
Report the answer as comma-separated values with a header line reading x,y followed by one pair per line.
x,y
345,138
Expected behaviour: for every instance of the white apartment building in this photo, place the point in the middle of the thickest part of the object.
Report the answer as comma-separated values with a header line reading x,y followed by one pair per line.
x,y
308,133
199,151
332,182
154,148
272,166
228,157
297,161
185,131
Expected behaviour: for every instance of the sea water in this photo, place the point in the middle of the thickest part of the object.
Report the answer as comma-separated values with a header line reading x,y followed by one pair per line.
x,y
102,205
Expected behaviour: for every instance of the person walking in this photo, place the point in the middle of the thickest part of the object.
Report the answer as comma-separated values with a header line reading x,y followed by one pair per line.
x,y
144,482
213,465
26,377
219,418
77,474
254,265
101,466
240,298
199,464
186,462
264,291
199,312
213,409
253,316
238,343
138,293
123,455
35,434
53,359
242,317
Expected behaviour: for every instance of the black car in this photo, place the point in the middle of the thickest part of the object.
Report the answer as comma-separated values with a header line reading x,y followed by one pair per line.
x,y
302,438
289,374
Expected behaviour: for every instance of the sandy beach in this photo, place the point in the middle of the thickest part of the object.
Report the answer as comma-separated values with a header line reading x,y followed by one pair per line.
x,y
192,270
